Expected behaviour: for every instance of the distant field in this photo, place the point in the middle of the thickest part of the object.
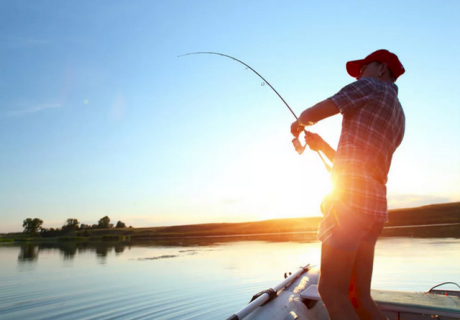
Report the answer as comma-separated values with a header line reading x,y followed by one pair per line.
x,y
447,214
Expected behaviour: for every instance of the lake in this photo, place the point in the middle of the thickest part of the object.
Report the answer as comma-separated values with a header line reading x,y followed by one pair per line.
x,y
194,279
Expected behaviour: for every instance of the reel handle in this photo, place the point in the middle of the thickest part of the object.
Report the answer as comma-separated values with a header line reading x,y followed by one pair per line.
x,y
298,146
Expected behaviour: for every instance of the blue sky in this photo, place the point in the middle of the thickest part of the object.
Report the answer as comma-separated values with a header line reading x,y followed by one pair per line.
x,y
98,115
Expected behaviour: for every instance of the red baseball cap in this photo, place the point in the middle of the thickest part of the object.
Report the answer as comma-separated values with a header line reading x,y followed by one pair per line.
x,y
354,67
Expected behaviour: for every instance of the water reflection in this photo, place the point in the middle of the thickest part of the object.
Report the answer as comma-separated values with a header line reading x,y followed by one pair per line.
x,y
29,252
119,249
144,277
298,237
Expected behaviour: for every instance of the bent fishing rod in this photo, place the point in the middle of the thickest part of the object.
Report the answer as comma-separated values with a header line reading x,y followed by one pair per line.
x,y
296,141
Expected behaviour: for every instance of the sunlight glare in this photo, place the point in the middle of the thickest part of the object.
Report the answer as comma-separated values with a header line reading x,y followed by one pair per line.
x,y
271,185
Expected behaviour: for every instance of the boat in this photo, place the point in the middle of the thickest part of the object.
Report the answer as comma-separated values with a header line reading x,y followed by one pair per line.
x,y
297,298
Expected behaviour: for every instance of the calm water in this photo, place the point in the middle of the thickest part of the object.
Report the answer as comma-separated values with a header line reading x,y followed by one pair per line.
x,y
200,279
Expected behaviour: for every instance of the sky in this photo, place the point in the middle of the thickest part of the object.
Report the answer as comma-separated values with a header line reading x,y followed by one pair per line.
x,y
99,116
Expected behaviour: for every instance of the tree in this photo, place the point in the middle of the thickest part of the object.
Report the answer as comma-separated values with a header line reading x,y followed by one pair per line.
x,y
32,226
120,225
71,225
104,222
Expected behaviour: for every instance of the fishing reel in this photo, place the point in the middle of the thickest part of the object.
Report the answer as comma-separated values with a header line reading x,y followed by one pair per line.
x,y
298,146
301,148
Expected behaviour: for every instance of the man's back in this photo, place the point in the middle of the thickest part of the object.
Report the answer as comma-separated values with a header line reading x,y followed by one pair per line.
x,y
372,128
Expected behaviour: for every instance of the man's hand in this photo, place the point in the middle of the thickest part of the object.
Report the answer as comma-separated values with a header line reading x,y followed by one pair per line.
x,y
314,141
296,128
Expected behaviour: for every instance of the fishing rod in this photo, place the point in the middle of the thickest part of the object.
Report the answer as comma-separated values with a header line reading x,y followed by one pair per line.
x,y
298,146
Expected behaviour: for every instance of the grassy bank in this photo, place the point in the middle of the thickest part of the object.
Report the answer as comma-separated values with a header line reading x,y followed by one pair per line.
x,y
401,223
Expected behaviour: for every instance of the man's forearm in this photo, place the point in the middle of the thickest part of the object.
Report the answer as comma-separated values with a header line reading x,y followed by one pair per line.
x,y
310,116
318,112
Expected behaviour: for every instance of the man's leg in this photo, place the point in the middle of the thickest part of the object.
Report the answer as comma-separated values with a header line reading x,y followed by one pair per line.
x,y
360,287
336,269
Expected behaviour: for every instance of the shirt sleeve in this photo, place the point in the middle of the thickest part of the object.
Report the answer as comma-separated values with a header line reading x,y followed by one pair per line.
x,y
354,96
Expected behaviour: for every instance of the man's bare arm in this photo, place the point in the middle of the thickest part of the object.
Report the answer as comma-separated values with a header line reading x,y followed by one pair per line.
x,y
316,143
310,116
318,112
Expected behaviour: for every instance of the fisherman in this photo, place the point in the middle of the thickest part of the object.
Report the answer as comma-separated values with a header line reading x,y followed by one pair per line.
x,y
354,213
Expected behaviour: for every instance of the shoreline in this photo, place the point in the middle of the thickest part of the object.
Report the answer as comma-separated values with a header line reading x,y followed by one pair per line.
x,y
444,230
437,220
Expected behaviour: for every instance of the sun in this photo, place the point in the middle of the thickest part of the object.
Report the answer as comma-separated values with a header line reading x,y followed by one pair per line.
x,y
262,186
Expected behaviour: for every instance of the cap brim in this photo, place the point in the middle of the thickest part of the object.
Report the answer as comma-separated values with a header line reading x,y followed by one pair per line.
x,y
354,67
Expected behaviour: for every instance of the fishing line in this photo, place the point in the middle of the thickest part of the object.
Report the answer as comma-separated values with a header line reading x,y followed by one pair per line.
x,y
328,168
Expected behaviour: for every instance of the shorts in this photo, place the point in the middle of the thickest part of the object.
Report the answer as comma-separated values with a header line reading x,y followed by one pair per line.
x,y
344,229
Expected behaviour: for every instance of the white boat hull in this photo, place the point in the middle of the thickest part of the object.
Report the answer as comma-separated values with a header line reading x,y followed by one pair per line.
x,y
295,302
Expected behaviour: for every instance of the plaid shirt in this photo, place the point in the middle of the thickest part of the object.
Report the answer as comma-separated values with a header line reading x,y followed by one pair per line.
x,y
372,128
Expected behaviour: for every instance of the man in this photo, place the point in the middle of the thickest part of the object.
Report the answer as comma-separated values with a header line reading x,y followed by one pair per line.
x,y
354,213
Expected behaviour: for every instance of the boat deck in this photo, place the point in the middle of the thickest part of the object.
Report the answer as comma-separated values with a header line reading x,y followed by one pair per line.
x,y
414,302
406,302
300,301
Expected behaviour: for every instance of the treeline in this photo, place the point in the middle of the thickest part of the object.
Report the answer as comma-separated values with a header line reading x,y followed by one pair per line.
x,y
34,227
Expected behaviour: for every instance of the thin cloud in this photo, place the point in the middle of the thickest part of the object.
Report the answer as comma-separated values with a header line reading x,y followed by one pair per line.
x,y
31,109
